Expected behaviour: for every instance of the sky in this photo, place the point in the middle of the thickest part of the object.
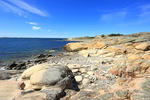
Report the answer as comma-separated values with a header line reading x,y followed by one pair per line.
x,y
72,18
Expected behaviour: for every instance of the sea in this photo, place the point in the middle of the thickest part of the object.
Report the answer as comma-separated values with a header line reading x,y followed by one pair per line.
x,y
20,48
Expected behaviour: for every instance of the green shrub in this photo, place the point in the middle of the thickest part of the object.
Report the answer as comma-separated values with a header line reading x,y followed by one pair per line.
x,y
102,35
115,34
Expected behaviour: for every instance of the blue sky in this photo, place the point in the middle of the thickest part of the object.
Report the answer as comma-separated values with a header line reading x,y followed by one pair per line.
x,y
72,18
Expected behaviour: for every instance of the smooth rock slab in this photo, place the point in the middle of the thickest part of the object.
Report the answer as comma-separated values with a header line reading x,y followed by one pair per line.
x,y
49,75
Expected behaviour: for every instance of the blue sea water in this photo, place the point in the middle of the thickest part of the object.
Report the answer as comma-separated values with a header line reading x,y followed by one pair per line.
x,y
11,48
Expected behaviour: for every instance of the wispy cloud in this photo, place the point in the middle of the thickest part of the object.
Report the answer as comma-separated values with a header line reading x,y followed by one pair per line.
x,y
113,16
141,14
145,10
32,23
49,30
36,28
20,7
10,8
145,7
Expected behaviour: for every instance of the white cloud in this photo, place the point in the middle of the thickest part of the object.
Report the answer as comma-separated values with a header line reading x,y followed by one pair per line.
x,y
36,28
32,23
20,7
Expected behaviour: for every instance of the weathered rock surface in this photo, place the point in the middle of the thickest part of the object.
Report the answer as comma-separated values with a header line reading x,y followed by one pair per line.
x,y
143,46
117,71
16,66
81,46
50,79
4,75
75,47
48,75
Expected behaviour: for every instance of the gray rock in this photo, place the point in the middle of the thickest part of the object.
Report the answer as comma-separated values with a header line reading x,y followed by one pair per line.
x,y
54,93
142,94
85,95
4,75
16,66
50,75
106,96
122,94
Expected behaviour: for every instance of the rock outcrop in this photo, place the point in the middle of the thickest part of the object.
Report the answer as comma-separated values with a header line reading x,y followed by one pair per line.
x,y
49,79
118,70
72,47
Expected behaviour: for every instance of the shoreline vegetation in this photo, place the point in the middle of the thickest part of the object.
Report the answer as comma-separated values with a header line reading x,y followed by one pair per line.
x,y
104,67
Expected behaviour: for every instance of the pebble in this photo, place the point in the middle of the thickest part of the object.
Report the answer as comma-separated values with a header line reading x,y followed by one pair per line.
x,y
85,81
83,70
75,70
93,67
78,78
90,73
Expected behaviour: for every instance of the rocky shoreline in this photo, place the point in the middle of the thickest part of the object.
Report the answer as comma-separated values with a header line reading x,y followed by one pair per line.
x,y
26,62
100,68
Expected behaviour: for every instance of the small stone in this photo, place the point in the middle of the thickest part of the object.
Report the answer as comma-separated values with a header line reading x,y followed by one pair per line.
x,y
90,73
86,75
53,93
92,78
85,81
106,96
78,78
83,70
75,70
21,85
122,94
93,67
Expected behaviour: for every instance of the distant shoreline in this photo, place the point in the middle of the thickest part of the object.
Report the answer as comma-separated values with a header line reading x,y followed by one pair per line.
x,y
33,37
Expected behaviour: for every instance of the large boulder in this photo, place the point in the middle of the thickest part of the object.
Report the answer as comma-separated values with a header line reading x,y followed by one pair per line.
x,y
146,56
71,47
117,49
143,46
30,71
96,45
50,76
75,47
49,79
45,75
132,57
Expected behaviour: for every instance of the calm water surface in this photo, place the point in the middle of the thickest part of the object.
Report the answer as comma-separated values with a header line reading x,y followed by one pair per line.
x,y
12,48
